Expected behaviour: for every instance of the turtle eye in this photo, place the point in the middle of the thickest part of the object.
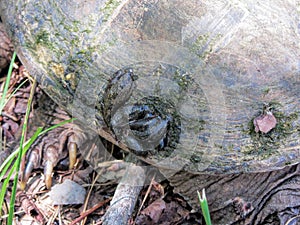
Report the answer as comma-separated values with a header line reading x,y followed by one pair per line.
x,y
116,94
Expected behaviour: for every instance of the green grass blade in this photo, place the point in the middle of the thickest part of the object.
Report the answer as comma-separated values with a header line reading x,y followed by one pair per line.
x,y
57,125
8,162
5,168
204,207
5,165
27,145
20,152
3,102
32,139
3,189
16,165
18,162
12,94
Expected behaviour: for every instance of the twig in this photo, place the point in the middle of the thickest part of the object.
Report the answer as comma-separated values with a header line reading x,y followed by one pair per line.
x,y
86,213
126,194
146,196
89,195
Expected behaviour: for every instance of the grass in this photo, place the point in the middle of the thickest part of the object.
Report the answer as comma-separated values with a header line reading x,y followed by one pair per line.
x,y
19,158
204,207
12,164
4,98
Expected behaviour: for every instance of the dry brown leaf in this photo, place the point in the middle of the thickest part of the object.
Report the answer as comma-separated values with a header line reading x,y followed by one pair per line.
x,y
265,123
154,210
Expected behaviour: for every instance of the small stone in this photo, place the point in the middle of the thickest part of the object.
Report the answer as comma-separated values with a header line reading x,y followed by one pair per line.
x,y
67,193
265,123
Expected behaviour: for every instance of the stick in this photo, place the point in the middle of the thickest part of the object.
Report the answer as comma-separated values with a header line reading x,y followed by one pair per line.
x,y
126,194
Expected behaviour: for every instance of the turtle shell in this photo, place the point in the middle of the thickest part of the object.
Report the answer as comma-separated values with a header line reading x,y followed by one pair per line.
x,y
183,84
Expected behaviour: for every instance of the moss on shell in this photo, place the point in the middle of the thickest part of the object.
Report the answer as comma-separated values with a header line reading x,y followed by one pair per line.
x,y
265,145
109,8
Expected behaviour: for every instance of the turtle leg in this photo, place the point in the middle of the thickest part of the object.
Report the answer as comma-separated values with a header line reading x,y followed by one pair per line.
x,y
69,140
56,145
46,153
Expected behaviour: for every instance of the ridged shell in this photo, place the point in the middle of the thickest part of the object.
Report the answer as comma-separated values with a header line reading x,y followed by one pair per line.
x,y
220,63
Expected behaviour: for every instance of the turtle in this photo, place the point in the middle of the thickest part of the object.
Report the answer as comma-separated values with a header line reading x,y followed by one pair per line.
x,y
206,91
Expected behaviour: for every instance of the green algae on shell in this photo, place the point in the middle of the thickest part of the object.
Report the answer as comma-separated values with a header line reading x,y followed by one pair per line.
x,y
217,79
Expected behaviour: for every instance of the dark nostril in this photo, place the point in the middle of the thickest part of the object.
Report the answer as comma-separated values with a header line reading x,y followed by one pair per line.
x,y
151,121
139,112
248,206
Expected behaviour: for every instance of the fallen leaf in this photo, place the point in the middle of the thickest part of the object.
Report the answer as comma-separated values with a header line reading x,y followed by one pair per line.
x,y
265,123
154,210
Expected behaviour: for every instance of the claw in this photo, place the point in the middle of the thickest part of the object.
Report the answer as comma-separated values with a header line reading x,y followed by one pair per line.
x,y
72,139
48,174
72,147
51,158
33,162
25,176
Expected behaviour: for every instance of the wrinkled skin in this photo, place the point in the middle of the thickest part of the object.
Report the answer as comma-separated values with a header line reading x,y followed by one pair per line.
x,y
274,196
